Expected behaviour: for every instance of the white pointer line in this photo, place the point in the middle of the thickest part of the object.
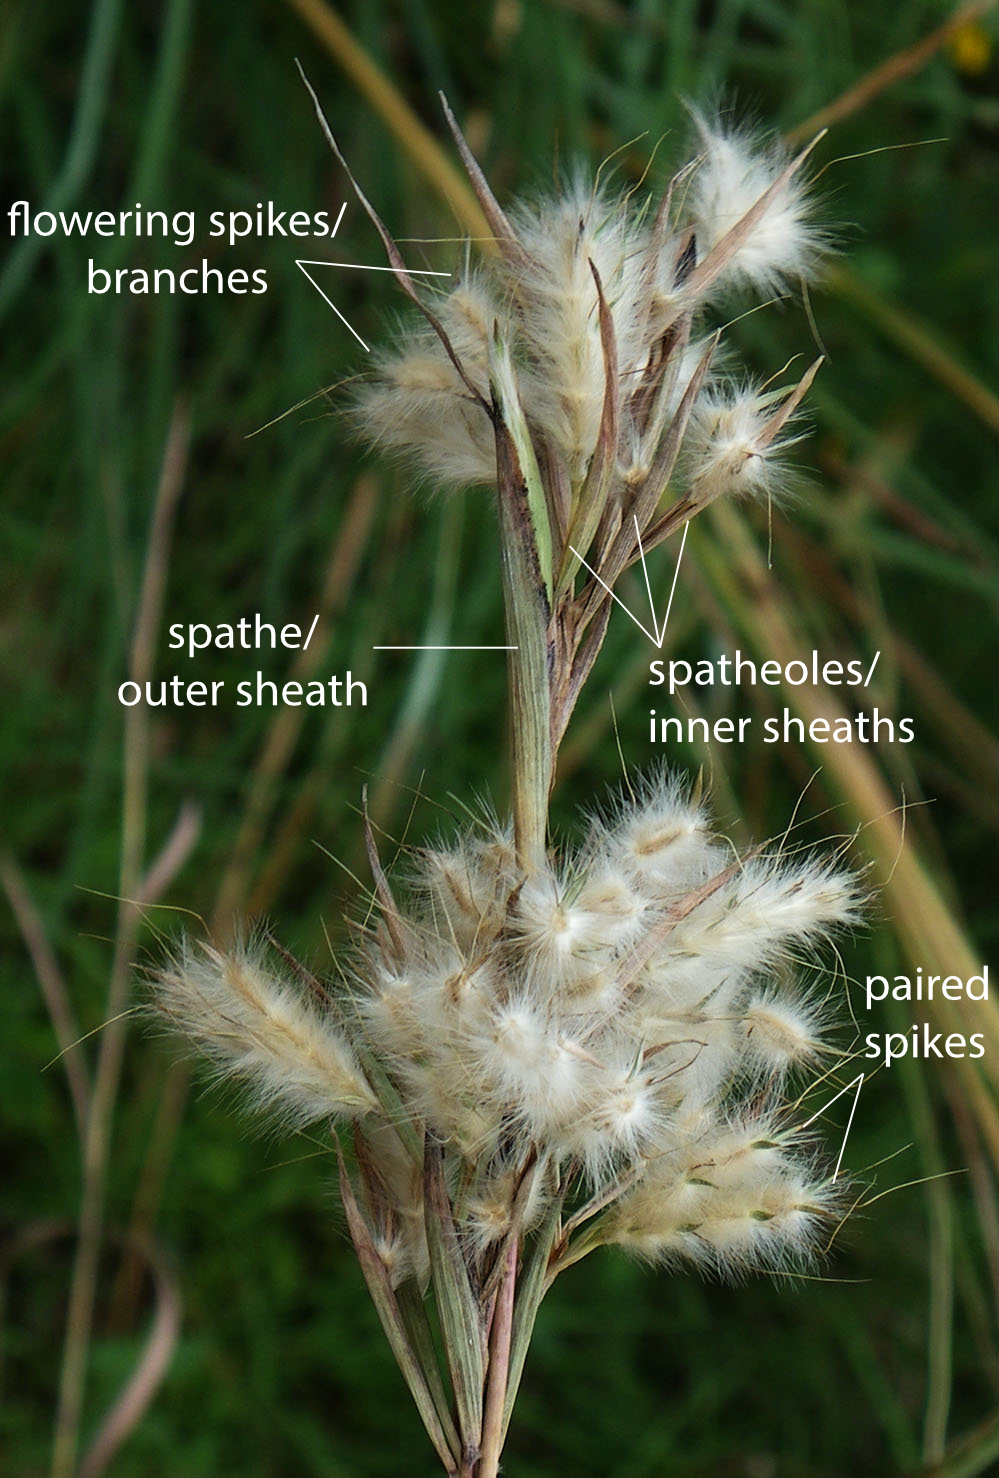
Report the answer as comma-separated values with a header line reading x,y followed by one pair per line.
x,y
859,1083
367,267
656,639
304,262
331,303
444,649
661,631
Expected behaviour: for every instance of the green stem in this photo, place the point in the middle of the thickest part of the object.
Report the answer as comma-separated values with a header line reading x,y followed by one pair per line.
x,y
84,141
100,1119
527,619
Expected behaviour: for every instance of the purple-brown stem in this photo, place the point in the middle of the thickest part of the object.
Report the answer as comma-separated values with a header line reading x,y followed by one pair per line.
x,y
500,1334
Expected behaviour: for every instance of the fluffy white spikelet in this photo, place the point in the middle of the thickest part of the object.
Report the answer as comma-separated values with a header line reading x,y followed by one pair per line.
x,y
766,909
661,842
504,1197
569,243
728,448
733,173
293,1059
781,1032
421,410
730,1202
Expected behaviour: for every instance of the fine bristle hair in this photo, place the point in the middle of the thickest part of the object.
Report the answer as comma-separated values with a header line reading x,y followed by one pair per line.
x,y
736,166
290,1055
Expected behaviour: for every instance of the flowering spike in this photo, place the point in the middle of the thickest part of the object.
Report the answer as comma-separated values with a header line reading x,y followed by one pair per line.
x,y
752,212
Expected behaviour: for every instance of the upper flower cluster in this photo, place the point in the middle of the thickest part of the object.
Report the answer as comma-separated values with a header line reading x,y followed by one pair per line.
x,y
588,321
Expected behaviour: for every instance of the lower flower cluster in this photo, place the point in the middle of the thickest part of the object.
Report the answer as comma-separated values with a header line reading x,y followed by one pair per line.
x,y
625,1019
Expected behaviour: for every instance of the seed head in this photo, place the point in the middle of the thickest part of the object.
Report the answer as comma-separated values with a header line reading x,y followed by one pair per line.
x,y
292,1056
628,1009
588,323
735,171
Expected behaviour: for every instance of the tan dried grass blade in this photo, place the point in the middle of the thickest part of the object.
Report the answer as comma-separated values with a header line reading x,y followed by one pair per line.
x,y
503,233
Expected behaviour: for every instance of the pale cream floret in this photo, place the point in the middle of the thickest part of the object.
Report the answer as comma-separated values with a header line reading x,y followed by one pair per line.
x,y
557,298
594,993
539,1074
570,930
465,901
730,1202
725,449
662,844
780,1032
505,1195
754,918
731,176
392,1010
291,1056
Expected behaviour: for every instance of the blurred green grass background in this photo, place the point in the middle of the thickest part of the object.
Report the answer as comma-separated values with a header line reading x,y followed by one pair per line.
x,y
890,1366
